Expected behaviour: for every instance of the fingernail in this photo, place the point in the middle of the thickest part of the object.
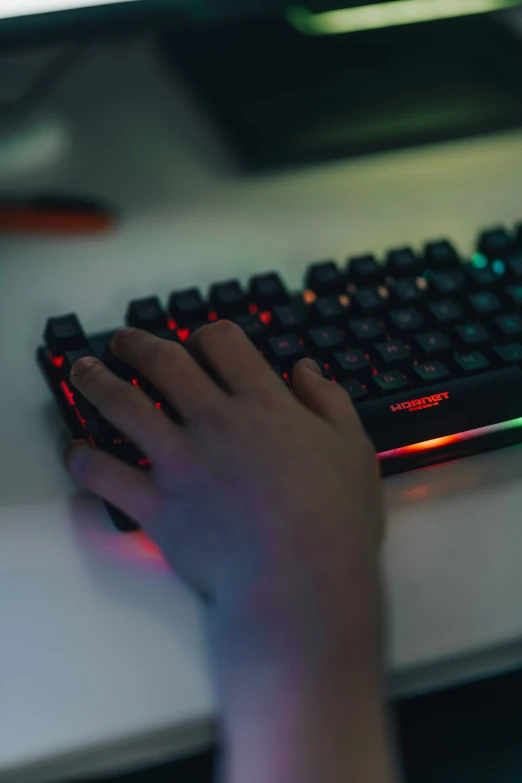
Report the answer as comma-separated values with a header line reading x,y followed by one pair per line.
x,y
311,366
83,364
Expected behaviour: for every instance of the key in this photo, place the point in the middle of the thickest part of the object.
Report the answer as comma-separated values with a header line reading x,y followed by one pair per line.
x,y
267,291
496,243
392,354
64,334
253,327
514,267
370,301
291,318
325,278
70,357
405,321
147,314
330,309
410,291
188,307
403,263
365,271
325,367
441,255
447,283
432,344
514,295
285,351
518,232
483,303
347,365
471,363
430,372
228,299
508,326
324,340
119,368
443,409
365,331
169,335
445,312
483,279
357,392
389,382
506,355
472,335
284,376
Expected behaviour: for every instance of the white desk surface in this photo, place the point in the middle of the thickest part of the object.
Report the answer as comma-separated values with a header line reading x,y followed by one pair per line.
x,y
102,657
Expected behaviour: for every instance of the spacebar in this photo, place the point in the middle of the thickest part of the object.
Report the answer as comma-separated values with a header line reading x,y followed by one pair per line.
x,y
443,409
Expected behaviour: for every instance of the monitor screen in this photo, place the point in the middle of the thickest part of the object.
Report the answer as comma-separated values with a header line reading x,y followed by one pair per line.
x,y
14,8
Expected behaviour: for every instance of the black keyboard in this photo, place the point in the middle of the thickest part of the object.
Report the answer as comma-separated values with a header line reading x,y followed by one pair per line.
x,y
426,333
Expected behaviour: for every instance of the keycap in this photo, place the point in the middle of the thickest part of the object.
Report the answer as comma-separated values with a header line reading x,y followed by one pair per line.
x,y
326,370
356,391
506,355
447,283
285,351
365,331
405,321
169,335
267,291
472,335
329,309
325,278
445,312
71,357
508,326
64,334
293,317
496,243
253,327
370,301
389,382
347,365
432,344
228,299
324,340
443,409
147,314
483,303
430,372
188,307
514,295
365,271
391,354
471,362
514,267
483,279
403,263
119,368
410,291
440,255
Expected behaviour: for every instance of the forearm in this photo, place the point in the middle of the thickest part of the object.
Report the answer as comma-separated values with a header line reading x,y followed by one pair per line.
x,y
324,723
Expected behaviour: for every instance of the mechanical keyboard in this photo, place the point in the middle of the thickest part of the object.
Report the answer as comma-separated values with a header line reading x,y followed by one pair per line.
x,y
428,333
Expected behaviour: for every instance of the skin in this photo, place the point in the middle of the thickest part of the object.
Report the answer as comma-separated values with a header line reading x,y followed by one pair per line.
x,y
268,504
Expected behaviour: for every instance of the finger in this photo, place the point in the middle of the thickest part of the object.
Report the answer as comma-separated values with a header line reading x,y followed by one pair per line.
x,y
226,349
326,398
127,488
171,369
128,408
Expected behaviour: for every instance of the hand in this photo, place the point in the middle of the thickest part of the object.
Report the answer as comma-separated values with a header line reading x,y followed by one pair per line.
x,y
265,502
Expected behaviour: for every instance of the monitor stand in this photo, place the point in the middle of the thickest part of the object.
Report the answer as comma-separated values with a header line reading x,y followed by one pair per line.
x,y
284,98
